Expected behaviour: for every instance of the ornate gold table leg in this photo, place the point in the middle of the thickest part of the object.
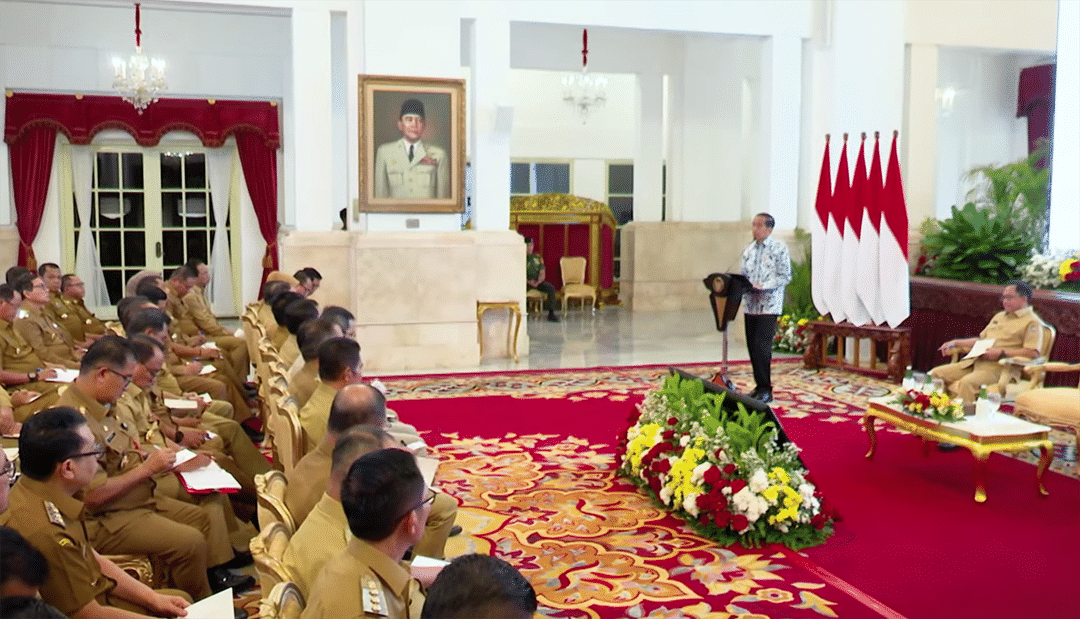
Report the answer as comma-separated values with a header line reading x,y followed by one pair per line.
x,y
515,313
981,467
480,309
868,424
1047,449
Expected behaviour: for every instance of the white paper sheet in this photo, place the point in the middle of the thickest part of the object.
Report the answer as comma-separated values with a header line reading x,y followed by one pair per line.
x,y
183,456
979,348
64,375
210,477
181,404
217,606
11,453
207,369
427,468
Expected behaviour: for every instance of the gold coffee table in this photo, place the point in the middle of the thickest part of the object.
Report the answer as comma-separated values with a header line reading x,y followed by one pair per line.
x,y
511,334
981,436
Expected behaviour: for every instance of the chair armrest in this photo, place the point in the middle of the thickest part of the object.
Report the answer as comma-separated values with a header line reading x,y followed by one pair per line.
x,y
959,350
1052,366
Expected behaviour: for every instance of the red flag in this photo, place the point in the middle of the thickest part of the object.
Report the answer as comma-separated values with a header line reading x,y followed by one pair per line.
x,y
868,283
820,224
834,239
853,308
893,264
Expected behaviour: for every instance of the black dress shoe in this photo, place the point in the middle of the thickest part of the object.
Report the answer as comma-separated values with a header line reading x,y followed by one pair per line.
x,y
552,318
242,559
239,613
455,530
222,579
253,434
755,394
765,396
947,447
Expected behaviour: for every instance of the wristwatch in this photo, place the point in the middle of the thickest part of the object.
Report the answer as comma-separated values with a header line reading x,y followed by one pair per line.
x,y
31,377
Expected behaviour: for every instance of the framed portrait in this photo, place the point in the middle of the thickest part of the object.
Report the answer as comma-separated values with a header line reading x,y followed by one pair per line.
x,y
412,144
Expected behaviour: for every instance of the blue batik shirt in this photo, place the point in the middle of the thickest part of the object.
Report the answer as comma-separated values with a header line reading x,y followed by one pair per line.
x,y
767,264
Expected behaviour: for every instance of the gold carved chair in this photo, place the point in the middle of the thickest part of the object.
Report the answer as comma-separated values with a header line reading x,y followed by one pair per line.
x,y
1012,382
284,602
268,552
270,491
1053,406
534,301
287,433
573,277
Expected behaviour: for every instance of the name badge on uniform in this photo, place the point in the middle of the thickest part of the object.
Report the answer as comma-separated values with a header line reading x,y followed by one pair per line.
x,y
54,514
110,437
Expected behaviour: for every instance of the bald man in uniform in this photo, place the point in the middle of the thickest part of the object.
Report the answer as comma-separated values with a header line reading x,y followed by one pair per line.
x,y
409,168
58,455
386,503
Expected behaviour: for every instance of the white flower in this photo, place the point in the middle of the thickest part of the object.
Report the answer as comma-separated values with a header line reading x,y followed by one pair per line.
x,y
698,476
690,504
633,432
759,481
684,441
749,504
665,495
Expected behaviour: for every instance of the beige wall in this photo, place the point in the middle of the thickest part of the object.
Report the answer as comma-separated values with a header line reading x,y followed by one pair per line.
x,y
9,246
414,294
994,24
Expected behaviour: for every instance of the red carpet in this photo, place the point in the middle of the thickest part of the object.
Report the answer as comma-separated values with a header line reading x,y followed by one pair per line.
x,y
912,536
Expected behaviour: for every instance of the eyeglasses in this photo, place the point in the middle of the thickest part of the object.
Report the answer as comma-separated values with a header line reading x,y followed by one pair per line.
x,y
40,287
9,470
429,497
99,450
127,378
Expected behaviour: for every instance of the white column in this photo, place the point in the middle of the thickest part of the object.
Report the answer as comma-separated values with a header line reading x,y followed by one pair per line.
x,y
309,122
868,70
354,51
1065,153
783,87
918,138
491,118
649,162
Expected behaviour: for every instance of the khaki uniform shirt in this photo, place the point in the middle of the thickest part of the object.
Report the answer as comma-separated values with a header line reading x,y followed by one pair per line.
x,y
307,482
79,321
200,312
122,454
314,414
49,339
183,322
289,350
1020,329
324,534
304,382
16,354
53,523
266,318
278,336
135,409
361,582
55,307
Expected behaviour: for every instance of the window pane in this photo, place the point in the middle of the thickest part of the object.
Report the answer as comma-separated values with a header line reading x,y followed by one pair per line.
x,y
211,220
109,248
134,248
114,281
623,208
195,208
134,218
108,170
110,209
196,245
195,170
621,178
519,178
170,171
172,242
171,202
552,178
133,176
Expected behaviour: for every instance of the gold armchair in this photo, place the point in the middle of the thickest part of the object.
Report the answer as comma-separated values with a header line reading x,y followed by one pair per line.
x,y
268,552
1011,381
270,491
284,602
1053,406
573,277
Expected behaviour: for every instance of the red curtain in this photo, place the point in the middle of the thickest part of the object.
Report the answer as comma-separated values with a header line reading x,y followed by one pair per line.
x,y
31,164
259,161
1035,100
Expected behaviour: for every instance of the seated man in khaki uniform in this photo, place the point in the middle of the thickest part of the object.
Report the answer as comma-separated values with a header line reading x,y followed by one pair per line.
x,y
51,342
311,336
271,290
80,322
339,365
296,314
21,370
478,585
277,308
359,405
325,531
57,452
386,504
1017,332
125,515
49,272
194,300
309,280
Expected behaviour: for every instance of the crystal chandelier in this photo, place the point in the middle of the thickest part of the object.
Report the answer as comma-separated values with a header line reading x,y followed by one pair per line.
x,y
581,90
141,80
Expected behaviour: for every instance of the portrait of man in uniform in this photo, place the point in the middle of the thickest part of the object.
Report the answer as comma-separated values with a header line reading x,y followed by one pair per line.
x,y
411,144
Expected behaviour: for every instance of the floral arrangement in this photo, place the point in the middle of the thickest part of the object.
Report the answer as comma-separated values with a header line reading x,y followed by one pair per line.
x,y
722,470
792,335
1061,270
935,405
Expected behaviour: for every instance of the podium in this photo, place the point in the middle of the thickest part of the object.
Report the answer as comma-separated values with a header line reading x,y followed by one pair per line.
x,y
725,295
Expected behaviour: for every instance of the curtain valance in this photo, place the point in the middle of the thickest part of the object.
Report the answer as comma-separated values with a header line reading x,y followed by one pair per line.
x,y
80,117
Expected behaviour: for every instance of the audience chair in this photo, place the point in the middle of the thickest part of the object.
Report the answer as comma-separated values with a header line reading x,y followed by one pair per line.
x,y
1011,383
1052,406
284,602
573,277
534,301
268,552
141,568
270,490
288,434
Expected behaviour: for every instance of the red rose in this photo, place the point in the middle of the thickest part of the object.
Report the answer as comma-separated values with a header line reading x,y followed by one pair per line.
x,y
662,466
712,475
718,500
818,521
723,483
703,502
704,520
737,485
1072,277
722,518
668,435
655,485
739,522
729,469
672,421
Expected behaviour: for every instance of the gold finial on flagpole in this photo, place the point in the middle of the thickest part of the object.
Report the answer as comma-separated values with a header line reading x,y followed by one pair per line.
x,y
895,133
845,137
826,137
864,136
877,134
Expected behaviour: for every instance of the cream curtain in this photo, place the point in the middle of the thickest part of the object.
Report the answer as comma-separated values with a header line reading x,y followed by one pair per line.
x,y
220,164
87,261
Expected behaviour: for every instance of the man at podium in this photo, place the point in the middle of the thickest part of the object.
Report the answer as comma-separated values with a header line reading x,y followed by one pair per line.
x,y
767,264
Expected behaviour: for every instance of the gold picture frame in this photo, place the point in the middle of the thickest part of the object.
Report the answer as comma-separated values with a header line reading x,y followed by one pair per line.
x,y
433,179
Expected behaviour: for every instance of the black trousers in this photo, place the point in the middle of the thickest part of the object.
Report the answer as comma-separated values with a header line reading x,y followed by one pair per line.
x,y
760,331
549,291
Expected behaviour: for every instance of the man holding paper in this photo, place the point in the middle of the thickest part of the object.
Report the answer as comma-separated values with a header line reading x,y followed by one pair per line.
x,y
1016,331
